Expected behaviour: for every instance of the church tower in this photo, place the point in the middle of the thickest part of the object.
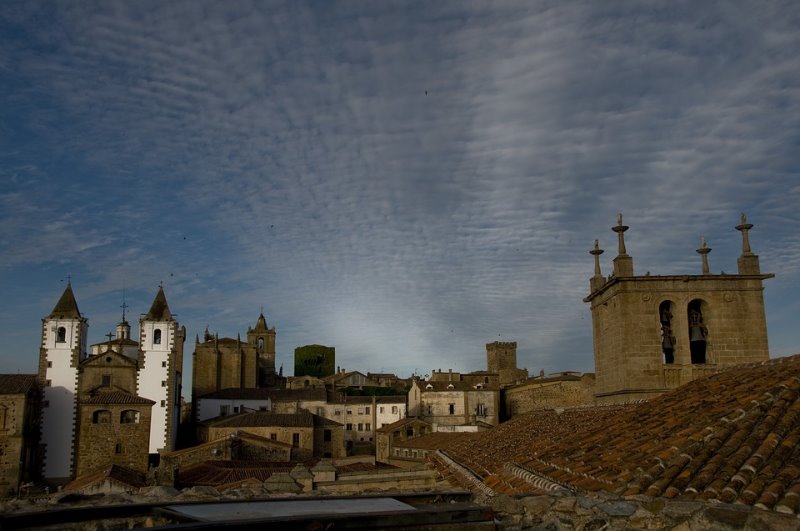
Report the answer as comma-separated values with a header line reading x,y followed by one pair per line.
x,y
160,371
262,338
653,333
63,347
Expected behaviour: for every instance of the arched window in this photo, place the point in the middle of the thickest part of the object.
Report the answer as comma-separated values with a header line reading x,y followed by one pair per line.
x,y
157,336
260,343
101,416
129,416
697,331
61,336
667,337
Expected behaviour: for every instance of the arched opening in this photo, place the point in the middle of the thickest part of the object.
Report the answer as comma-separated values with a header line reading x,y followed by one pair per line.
x,y
667,337
129,416
101,416
697,332
157,336
61,335
260,344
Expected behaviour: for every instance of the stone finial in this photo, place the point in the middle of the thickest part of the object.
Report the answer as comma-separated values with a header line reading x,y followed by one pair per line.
x,y
597,251
703,251
744,227
620,230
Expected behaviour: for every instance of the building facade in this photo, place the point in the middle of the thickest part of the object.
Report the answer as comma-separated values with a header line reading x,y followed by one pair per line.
x,y
124,380
19,410
653,333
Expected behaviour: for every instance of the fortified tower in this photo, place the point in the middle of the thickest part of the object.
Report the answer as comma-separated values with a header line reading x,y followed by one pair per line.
x,y
262,338
654,333
501,358
62,349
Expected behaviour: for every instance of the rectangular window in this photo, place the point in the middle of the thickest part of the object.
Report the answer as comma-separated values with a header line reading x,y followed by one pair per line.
x,y
366,410
273,436
326,435
106,380
361,411
430,410
163,383
349,411
48,383
481,410
224,410
262,408
368,426
163,403
380,409
163,363
452,409
296,440
349,427
235,409
394,409
49,364
337,412
360,427
118,448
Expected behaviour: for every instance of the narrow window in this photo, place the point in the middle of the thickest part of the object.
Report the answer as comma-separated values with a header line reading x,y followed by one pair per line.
x,y
326,435
394,409
366,410
360,427
163,363
295,440
452,409
118,448
349,426
667,337
224,410
157,336
235,409
368,426
106,380
61,337
697,332
101,416
163,403
430,410
273,436
49,364
380,409
129,416
163,383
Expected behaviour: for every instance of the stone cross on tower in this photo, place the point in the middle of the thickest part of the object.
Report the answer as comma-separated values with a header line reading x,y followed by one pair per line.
x,y
748,262
597,280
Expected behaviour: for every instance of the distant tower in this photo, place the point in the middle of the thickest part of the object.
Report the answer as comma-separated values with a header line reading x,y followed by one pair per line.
x,y
653,333
62,349
161,366
501,358
262,338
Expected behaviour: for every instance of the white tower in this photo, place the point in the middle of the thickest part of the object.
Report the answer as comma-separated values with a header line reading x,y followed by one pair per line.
x,y
63,347
161,364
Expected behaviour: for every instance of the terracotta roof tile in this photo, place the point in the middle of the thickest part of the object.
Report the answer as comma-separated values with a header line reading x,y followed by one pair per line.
x,y
733,436
14,384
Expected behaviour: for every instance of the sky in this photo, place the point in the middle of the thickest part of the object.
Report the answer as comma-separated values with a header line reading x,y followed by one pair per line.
x,y
403,181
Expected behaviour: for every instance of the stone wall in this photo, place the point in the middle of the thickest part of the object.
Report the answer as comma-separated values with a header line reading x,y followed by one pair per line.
x,y
112,441
303,450
549,393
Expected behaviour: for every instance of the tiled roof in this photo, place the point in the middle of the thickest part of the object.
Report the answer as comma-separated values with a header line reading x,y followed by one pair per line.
x,y
732,437
116,397
276,395
214,473
14,384
304,419
431,441
109,353
400,423
115,472
444,386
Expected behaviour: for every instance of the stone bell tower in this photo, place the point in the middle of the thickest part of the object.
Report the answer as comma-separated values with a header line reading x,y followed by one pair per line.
x,y
653,333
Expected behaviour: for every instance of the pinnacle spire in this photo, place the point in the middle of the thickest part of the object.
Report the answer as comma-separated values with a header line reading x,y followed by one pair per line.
x,y
67,306
159,311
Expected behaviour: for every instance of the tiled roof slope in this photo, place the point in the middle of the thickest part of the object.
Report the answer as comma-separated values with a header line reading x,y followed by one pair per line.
x,y
732,437
16,384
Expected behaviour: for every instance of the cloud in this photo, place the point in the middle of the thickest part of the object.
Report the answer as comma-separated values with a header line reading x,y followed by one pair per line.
x,y
404,183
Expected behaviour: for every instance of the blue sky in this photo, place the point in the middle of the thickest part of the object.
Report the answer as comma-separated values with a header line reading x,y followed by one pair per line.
x,y
405,181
